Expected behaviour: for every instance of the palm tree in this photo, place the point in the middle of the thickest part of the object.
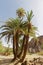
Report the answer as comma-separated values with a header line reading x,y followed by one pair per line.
x,y
20,13
10,30
29,30
14,28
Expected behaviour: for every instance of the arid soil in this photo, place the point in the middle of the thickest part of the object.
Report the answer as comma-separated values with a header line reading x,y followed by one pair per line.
x,y
31,59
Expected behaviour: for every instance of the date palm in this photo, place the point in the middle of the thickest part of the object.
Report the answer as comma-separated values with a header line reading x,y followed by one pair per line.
x,y
29,30
21,13
10,30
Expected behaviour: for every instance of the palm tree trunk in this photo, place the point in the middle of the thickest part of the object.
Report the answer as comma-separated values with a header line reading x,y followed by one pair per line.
x,y
25,49
19,55
14,48
17,44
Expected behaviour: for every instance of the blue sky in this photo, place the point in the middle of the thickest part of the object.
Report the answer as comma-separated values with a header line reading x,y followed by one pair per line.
x,y
8,9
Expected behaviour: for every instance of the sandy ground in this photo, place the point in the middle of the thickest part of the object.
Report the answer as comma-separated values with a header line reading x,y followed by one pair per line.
x,y
5,60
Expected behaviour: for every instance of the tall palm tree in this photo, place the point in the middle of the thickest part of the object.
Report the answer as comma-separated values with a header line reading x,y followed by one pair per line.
x,y
10,30
21,13
29,30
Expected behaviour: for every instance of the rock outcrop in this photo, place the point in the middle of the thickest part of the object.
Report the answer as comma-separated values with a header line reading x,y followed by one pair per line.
x,y
35,46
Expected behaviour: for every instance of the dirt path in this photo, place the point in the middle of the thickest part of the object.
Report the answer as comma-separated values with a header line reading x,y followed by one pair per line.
x,y
5,60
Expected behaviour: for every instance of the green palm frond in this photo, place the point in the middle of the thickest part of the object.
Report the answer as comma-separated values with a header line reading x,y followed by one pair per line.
x,y
8,38
34,28
29,15
2,26
6,29
32,32
2,34
10,23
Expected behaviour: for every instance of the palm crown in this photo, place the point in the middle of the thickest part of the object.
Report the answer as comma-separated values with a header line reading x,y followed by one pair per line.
x,y
11,27
21,12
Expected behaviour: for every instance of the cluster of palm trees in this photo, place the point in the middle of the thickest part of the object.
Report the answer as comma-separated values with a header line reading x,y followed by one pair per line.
x,y
19,29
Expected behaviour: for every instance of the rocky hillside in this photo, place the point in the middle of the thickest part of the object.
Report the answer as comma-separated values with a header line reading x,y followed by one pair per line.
x,y
35,46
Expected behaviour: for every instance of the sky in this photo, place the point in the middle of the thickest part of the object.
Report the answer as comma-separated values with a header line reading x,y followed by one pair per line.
x,y
8,9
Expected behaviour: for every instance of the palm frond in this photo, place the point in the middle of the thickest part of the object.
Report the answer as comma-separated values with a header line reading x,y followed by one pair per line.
x,y
29,15
2,34
8,38
34,28
3,26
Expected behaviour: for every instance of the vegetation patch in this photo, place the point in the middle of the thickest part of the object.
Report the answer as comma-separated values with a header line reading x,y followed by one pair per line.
x,y
5,50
